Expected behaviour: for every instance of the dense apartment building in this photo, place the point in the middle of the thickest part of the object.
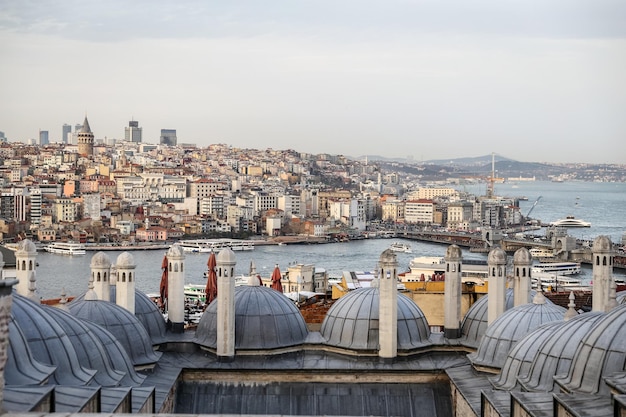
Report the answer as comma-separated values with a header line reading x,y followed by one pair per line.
x,y
419,211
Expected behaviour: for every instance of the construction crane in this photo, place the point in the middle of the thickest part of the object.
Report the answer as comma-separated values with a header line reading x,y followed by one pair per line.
x,y
533,206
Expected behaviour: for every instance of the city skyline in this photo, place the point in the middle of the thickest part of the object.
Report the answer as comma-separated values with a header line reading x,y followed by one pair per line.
x,y
532,81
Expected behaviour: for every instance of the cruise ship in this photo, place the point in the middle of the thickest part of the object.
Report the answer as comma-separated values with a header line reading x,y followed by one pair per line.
x,y
570,221
215,245
66,248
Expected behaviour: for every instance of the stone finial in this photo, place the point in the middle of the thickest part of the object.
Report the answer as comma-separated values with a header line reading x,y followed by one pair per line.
x,y
539,298
63,300
571,307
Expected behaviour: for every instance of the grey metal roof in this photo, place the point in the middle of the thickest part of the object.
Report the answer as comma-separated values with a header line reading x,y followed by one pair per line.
x,y
520,358
510,327
91,354
556,353
122,324
49,343
601,353
21,368
475,321
352,322
264,319
25,399
146,311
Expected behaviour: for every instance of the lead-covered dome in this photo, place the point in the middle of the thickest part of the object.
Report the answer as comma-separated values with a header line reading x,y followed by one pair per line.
x,y
352,322
509,328
125,260
100,260
123,325
21,368
264,319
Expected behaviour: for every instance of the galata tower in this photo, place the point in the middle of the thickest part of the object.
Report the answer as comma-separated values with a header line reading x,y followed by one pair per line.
x,y
85,140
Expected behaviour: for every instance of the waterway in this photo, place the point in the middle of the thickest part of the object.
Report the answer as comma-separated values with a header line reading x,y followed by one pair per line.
x,y
602,204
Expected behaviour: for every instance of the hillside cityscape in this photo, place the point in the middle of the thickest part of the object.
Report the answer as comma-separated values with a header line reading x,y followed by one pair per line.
x,y
127,191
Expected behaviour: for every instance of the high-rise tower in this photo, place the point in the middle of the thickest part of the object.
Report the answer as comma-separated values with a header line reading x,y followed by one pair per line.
x,y
85,140
66,132
168,137
133,132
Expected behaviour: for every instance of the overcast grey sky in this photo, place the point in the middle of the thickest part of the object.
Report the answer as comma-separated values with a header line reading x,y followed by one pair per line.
x,y
533,80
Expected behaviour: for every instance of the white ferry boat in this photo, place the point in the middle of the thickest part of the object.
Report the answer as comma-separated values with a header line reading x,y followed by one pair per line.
x,y
541,253
215,245
555,282
433,268
400,247
570,221
559,268
66,248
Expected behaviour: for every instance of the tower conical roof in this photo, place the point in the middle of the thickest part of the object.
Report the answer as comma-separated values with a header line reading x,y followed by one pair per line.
x,y
86,128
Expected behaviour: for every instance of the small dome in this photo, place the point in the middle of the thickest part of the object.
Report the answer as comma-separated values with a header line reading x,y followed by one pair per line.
x,y
49,343
388,256
602,244
520,358
474,323
100,260
454,252
21,367
497,256
522,256
510,327
226,256
125,260
352,322
601,353
264,319
175,251
26,247
122,324
556,352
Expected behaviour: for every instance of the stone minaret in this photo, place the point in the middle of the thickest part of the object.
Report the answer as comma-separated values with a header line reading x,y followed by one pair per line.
x,y
25,262
522,263
388,305
125,285
226,304
101,275
602,273
496,263
452,293
176,288
85,140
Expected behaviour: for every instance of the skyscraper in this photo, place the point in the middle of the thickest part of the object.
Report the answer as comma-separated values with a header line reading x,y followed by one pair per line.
x,y
43,137
168,137
132,133
65,135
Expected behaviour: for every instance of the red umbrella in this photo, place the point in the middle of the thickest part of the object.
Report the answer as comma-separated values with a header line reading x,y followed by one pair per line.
x,y
211,282
163,286
276,279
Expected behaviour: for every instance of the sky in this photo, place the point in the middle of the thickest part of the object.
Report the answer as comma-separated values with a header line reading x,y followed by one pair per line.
x,y
531,80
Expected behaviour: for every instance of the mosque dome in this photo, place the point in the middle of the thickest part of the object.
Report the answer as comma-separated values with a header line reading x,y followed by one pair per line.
x,y
453,252
175,251
100,260
602,244
520,358
49,343
122,324
225,256
496,256
352,322
21,368
264,319
475,321
556,352
522,256
88,348
388,256
601,353
125,260
512,326
26,247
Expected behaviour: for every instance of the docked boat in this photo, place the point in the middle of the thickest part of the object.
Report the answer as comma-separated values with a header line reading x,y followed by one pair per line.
x,y
433,268
559,268
215,245
66,248
570,221
554,282
541,253
400,247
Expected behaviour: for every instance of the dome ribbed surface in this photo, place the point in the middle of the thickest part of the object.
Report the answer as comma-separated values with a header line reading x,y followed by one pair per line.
x,y
601,353
264,319
122,324
556,353
21,368
48,342
352,322
509,328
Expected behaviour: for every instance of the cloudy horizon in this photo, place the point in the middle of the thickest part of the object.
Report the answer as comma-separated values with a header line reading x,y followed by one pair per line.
x,y
532,80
